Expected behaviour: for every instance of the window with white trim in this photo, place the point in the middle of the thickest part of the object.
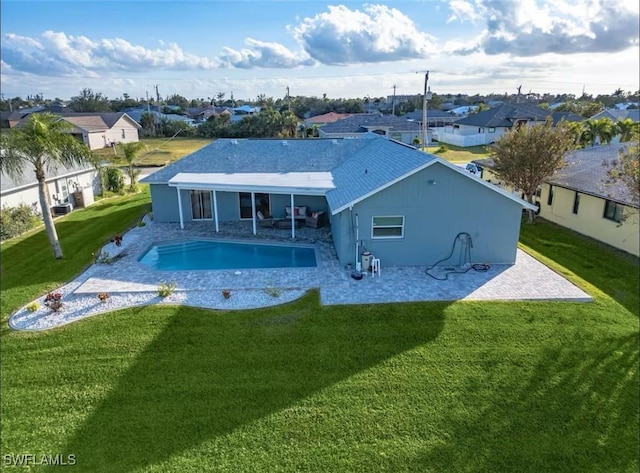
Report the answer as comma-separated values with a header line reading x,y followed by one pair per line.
x,y
387,226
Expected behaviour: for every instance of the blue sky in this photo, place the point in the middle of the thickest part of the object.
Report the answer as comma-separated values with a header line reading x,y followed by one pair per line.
x,y
342,49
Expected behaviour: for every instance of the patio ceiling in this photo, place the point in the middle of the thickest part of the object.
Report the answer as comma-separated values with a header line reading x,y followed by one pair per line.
x,y
300,183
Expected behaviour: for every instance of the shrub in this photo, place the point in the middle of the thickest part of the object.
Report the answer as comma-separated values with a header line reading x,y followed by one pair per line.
x,y
33,306
166,289
273,292
53,301
15,221
115,180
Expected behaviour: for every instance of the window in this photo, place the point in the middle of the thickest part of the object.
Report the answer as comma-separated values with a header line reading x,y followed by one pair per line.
x,y
613,211
550,196
492,129
538,191
200,205
262,204
124,135
576,203
387,227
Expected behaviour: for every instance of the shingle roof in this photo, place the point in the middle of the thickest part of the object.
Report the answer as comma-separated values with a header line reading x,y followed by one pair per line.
x,y
358,123
585,172
360,166
505,116
615,115
88,121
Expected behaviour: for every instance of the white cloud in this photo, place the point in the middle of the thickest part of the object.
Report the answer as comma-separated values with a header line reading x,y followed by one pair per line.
x,y
376,34
463,11
263,54
60,54
530,27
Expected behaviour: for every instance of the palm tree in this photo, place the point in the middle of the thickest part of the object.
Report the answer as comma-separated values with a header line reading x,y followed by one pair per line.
x,y
130,151
42,144
601,129
625,128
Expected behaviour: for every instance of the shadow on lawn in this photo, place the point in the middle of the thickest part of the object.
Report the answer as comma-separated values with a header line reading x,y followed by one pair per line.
x,y
576,412
613,272
208,373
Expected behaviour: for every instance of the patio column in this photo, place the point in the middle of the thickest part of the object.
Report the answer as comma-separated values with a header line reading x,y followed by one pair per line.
x,y
253,211
180,209
293,221
214,203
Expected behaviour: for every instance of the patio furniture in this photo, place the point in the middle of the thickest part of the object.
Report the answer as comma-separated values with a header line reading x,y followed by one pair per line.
x,y
264,221
315,220
299,214
285,223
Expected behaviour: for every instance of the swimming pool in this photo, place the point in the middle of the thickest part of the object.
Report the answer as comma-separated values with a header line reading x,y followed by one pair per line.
x,y
214,254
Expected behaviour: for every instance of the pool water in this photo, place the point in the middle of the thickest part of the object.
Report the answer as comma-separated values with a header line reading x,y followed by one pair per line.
x,y
210,254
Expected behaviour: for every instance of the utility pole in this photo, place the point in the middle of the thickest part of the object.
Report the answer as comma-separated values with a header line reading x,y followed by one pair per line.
x,y
288,100
425,118
393,102
518,97
158,96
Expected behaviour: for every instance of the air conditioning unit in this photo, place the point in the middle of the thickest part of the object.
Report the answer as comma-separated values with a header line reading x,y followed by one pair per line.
x,y
61,209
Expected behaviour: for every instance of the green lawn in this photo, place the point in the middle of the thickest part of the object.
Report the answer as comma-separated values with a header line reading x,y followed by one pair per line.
x,y
158,151
457,154
423,387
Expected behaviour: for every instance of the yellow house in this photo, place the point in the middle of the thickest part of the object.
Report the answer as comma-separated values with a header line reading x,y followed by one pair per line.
x,y
577,197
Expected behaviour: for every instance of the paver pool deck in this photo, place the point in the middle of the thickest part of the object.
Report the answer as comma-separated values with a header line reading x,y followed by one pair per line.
x,y
527,279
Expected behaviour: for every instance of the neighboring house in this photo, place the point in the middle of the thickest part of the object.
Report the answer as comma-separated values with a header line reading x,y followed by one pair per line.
x,y
136,114
437,120
389,126
320,120
487,127
243,111
408,206
617,115
61,183
99,130
577,197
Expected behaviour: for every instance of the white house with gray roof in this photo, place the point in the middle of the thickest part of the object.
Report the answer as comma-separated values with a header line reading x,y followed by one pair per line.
x,y
406,206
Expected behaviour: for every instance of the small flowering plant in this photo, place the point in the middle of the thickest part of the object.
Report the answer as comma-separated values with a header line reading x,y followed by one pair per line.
x,y
53,301
103,296
33,306
117,240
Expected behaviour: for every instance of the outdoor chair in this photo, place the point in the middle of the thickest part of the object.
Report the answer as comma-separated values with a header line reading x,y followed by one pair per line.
x,y
264,221
315,220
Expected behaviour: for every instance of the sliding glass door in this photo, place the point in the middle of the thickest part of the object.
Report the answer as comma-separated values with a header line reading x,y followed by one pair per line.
x,y
262,204
200,205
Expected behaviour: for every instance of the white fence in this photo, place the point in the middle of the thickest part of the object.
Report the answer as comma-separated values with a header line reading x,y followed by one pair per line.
x,y
462,140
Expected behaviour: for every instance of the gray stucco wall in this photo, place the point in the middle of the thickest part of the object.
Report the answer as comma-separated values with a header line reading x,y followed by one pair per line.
x,y
434,215
165,204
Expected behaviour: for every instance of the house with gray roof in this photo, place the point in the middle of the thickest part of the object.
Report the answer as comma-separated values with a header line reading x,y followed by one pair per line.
x,y
99,130
617,115
405,206
488,126
579,197
389,126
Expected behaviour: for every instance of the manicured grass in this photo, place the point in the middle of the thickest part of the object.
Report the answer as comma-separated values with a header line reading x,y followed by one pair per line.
x,y
401,387
158,151
457,154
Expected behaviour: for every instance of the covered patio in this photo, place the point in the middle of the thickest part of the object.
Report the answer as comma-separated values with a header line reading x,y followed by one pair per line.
x,y
291,183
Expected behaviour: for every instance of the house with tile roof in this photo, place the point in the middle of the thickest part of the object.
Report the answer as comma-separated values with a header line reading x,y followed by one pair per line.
x,y
407,207
320,120
486,127
389,126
